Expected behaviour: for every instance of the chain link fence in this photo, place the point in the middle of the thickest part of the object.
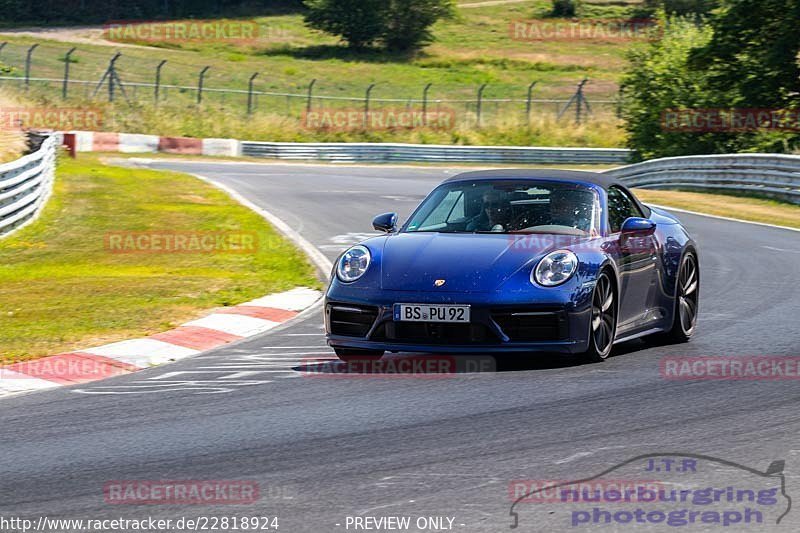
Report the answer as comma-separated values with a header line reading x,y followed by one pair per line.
x,y
74,73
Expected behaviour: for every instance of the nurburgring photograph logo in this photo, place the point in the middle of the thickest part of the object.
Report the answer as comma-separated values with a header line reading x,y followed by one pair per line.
x,y
663,489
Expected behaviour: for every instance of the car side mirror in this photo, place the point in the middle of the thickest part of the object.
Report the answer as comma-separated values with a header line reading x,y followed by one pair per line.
x,y
637,227
386,222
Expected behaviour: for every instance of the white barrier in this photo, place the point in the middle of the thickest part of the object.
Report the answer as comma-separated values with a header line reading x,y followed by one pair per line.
x,y
432,153
137,143
222,147
25,186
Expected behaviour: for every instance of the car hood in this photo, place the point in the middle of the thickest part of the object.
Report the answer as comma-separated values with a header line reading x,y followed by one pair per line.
x,y
467,262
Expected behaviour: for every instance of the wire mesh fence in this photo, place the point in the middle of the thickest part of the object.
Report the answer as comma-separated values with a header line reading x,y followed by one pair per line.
x,y
79,74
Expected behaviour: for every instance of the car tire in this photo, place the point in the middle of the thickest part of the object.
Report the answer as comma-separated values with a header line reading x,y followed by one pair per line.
x,y
603,323
354,354
687,297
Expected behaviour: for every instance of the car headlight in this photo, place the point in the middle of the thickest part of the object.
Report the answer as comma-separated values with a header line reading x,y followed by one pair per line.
x,y
353,263
555,268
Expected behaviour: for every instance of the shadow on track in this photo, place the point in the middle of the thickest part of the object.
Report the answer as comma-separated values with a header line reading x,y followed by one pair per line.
x,y
433,365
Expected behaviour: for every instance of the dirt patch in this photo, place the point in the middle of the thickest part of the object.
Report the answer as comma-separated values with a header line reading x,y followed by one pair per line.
x,y
78,34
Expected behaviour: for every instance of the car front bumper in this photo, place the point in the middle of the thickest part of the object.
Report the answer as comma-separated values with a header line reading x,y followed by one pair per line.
x,y
544,320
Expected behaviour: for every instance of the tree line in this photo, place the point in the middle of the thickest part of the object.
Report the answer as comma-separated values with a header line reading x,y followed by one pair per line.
x,y
733,79
709,55
99,11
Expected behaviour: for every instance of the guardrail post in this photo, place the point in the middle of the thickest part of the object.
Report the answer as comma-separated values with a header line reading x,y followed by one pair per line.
x,y
250,93
528,103
366,104
200,80
112,65
28,65
479,104
425,103
65,86
158,80
310,92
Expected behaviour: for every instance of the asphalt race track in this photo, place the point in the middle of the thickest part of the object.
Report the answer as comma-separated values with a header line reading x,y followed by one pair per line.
x,y
326,448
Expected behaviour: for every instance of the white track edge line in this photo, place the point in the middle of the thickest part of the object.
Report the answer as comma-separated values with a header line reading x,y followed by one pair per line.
x,y
317,257
719,217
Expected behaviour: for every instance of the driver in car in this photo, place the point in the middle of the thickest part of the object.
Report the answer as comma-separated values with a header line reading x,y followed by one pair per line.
x,y
568,208
495,213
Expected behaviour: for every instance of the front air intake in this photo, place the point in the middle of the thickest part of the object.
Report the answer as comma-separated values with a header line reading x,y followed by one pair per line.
x,y
350,320
532,326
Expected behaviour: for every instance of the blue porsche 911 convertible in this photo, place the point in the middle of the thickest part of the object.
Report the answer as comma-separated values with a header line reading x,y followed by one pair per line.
x,y
516,261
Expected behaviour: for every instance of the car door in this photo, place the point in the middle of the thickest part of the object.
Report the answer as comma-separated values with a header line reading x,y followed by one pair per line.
x,y
636,260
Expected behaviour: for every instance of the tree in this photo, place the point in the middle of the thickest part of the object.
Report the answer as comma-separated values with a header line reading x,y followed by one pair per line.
x,y
753,60
753,55
565,8
747,57
659,79
359,22
680,7
399,25
408,22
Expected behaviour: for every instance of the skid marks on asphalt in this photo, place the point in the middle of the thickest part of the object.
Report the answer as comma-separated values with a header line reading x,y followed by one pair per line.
x,y
233,370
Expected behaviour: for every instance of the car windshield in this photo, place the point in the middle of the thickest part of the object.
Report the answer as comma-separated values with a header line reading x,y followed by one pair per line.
x,y
518,206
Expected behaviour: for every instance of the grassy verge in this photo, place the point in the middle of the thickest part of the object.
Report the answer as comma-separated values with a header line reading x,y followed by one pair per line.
x,y
12,146
62,288
751,209
476,47
12,142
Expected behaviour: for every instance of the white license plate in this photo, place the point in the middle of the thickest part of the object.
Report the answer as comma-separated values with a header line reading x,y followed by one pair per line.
x,y
431,313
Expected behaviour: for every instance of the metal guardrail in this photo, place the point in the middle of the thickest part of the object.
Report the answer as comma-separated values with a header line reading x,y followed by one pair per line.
x,y
761,174
430,153
25,185
771,175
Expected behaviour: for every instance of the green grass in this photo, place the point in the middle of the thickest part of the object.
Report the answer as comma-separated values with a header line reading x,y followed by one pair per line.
x,y
12,141
62,288
743,208
225,123
12,145
473,48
